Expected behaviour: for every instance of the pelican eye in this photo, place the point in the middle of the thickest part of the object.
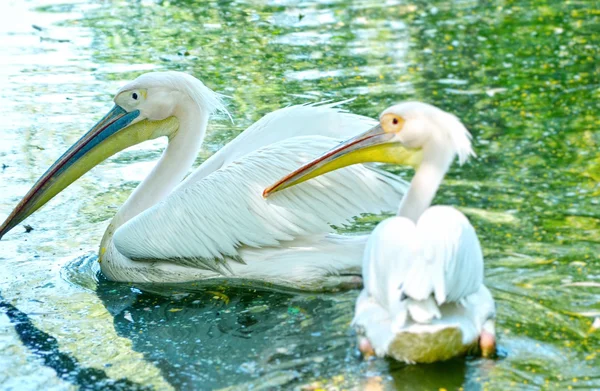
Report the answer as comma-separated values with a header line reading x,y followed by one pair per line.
x,y
391,123
134,95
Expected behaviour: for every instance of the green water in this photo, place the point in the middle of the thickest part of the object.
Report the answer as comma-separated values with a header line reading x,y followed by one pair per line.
x,y
523,76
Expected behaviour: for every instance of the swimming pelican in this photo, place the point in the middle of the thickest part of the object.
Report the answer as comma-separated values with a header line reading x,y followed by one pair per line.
x,y
216,223
423,298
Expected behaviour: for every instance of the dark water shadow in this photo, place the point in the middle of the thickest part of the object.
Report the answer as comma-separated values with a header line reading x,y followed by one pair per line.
x,y
219,335
448,375
45,347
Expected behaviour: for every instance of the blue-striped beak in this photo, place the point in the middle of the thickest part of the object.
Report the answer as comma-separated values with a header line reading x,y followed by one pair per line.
x,y
118,130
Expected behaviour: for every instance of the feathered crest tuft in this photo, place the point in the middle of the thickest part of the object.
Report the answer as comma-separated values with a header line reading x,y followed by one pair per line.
x,y
205,98
459,135
449,124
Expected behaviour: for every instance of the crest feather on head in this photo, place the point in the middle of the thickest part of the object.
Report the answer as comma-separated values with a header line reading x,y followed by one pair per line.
x,y
204,97
453,128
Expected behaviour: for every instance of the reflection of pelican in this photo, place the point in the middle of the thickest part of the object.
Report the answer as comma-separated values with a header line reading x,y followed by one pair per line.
x,y
216,222
255,337
424,298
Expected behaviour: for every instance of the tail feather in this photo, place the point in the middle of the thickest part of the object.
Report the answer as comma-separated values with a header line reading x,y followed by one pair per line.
x,y
423,311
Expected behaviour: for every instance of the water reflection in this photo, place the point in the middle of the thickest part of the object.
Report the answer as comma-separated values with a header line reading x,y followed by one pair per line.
x,y
522,75
236,336
222,335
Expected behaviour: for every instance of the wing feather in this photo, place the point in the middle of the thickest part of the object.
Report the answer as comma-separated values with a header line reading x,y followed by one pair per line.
x,y
451,267
325,119
211,219
407,266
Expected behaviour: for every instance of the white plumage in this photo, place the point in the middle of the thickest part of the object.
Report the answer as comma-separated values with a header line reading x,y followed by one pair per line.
x,y
423,298
325,119
215,222
205,223
423,278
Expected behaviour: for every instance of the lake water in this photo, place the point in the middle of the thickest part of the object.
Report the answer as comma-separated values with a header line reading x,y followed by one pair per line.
x,y
523,75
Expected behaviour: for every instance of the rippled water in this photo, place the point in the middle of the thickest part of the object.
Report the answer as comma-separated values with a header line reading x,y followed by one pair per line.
x,y
523,75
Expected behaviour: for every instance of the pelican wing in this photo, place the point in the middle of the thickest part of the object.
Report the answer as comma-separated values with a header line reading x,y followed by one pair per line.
x,y
294,121
205,223
414,269
452,260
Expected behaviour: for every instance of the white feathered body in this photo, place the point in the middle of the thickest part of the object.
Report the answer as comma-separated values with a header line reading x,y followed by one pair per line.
x,y
217,224
423,298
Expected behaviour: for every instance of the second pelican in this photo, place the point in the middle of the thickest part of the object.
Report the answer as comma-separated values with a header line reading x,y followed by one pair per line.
x,y
216,223
424,299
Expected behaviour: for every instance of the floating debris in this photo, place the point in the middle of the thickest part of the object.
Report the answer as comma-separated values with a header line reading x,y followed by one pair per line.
x,y
28,228
219,296
128,316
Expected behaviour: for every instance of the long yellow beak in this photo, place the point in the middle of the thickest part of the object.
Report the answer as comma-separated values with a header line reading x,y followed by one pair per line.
x,y
375,145
113,133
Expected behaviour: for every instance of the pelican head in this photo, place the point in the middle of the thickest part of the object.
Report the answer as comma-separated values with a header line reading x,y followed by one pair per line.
x,y
146,108
409,133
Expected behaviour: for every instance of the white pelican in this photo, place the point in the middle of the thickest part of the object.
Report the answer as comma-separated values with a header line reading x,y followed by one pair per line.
x,y
216,223
423,298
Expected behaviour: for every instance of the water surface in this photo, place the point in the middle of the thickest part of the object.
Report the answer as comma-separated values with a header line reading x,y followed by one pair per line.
x,y
523,76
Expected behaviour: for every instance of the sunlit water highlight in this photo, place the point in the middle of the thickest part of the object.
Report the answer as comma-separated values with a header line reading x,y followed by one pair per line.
x,y
522,75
